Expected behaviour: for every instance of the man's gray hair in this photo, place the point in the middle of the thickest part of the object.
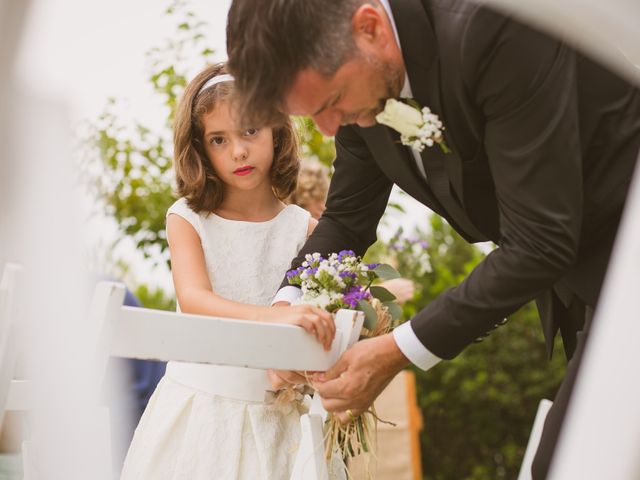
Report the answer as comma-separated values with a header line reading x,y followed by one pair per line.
x,y
270,41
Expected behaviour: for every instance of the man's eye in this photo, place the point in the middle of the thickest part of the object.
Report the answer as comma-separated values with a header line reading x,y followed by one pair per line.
x,y
216,140
250,132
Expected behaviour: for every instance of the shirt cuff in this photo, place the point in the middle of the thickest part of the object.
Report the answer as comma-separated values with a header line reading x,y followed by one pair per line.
x,y
412,348
287,294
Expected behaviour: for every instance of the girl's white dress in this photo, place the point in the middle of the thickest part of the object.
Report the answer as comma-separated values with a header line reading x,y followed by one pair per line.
x,y
207,422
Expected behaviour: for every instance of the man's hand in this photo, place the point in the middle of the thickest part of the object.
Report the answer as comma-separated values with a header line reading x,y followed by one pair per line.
x,y
359,376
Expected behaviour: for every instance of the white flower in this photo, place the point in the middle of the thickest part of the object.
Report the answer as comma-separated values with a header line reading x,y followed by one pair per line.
x,y
401,117
318,299
417,127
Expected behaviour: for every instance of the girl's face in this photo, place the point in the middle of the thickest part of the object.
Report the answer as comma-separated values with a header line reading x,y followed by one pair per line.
x,y
241,158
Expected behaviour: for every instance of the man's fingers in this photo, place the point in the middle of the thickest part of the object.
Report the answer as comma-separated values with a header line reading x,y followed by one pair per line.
x,y
332,389
342,417
334,405
337,370
347,416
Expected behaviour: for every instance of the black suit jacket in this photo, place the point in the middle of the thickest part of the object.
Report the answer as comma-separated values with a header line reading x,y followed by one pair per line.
x,y
543,148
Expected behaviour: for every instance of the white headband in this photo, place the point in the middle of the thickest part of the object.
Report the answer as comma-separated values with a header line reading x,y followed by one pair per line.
x,y
225,77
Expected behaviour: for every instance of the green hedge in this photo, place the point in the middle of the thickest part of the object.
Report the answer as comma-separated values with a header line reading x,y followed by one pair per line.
x,y
478,409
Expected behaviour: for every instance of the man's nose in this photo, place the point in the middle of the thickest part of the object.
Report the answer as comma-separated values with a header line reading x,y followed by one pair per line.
x,y
328,122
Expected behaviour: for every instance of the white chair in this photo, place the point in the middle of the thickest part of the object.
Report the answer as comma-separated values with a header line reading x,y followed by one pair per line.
x,y
8,334
13,393
534,439
141,333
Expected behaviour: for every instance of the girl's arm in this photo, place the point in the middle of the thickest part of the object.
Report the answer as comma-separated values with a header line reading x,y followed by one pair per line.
x,y
195,294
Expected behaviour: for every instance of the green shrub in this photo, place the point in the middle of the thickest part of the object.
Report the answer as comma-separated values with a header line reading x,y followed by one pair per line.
x,y
478,408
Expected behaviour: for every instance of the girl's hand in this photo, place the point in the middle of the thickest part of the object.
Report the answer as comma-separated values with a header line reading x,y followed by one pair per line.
x,y
402,288
314,320
284,378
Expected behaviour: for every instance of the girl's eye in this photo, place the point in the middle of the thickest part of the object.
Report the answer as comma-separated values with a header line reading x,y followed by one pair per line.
x,y
216,140
250,132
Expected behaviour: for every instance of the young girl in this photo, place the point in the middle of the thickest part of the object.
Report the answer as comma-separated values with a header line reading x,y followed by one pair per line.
x,y
231,239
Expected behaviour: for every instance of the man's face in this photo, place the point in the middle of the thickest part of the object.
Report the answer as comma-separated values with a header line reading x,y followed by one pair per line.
x,y
355,94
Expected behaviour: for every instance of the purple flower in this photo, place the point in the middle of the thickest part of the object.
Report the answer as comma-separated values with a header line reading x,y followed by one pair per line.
x,y
398,246
348,275
354,295
373,266
345,253
293,273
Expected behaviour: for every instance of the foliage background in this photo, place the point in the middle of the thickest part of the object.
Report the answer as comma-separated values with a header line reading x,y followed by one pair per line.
x,y
478,408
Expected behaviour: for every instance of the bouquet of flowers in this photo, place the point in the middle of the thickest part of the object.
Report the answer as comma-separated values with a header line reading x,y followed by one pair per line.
x,y
342,280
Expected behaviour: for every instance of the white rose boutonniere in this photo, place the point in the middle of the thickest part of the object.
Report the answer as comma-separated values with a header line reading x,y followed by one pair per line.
x,y
418,127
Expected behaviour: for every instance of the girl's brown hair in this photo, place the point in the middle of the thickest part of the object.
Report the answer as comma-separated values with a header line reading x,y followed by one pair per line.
x,y
196,179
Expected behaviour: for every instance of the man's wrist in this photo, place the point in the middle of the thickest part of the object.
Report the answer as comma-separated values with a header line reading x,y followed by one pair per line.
x,y
396,358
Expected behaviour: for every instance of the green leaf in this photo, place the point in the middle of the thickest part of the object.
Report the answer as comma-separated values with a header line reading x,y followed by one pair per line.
x,y
396,206
382,293
370,317
394,310
386,272
444,147
413,103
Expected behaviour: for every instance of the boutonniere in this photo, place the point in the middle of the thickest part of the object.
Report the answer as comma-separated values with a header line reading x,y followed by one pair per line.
x,y
418,127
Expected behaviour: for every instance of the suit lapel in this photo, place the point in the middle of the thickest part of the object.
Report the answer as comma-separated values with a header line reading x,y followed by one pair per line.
x,y
399,164
419,50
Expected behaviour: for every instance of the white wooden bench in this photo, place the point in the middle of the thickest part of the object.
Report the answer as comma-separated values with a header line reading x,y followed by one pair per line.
x,y
131,332
141,333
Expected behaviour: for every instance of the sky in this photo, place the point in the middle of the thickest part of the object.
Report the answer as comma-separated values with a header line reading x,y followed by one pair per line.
x,y
83,52
86,51
80,53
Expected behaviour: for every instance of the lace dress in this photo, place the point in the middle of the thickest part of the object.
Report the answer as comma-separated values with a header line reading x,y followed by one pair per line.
x,y
207,422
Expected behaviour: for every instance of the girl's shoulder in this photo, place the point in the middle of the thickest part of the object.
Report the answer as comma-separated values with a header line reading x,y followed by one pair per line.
x,y
181,208
293,214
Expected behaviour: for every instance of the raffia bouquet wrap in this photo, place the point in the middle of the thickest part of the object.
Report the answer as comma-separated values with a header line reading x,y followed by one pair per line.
x,y
343,280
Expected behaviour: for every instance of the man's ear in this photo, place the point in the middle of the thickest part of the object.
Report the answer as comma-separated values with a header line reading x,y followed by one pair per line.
x,y
369,26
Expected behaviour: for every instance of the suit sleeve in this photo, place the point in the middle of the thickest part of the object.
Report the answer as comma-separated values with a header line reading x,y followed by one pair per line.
x,y
358,196
524,84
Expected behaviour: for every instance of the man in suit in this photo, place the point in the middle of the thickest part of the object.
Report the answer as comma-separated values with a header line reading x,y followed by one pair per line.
x,y
542,143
